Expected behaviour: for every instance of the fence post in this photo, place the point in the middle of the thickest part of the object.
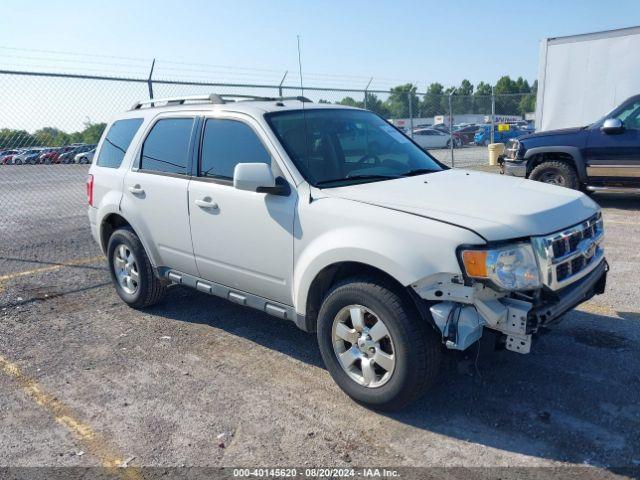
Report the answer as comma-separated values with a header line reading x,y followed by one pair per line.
x,y
150,81
365,92
281,82
451,129
410,113
493,111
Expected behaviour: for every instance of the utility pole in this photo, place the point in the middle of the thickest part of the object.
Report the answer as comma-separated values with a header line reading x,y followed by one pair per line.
x,y
493,111
410,113
365,92
451,128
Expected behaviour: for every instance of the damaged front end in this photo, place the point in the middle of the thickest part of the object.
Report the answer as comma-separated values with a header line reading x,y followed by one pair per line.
x,y
570,268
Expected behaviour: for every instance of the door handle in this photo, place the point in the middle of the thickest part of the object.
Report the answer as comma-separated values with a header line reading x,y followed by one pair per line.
x,y
206,203
136,189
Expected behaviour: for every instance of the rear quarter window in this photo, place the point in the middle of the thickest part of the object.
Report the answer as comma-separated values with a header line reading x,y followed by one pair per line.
x,y
117,141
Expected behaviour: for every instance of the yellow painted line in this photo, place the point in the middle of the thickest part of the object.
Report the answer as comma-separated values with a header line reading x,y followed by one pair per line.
x,y
91,440
51,268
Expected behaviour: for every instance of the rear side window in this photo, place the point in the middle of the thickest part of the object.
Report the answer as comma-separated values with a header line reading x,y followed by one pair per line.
x,y
117,142
225,144
166,148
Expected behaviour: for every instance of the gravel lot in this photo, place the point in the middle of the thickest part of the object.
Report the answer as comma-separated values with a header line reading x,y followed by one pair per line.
x,y
197,381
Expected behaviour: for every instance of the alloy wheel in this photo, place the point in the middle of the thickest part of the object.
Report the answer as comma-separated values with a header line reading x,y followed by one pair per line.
x,y
126,269
363,345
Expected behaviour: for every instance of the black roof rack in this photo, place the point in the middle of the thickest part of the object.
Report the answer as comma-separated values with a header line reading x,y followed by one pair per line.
x,y
213,98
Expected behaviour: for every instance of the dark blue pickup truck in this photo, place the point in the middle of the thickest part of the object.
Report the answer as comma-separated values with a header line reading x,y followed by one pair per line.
x,y
602,156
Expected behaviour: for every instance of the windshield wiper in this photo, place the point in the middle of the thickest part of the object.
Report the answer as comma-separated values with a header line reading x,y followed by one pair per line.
x,y
418,171
358,177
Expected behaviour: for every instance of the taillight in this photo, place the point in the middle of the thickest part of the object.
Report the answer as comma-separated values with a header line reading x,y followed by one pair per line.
x,y
90,190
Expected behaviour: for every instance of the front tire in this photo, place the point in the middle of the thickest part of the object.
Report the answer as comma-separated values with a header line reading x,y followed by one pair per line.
x,y
374,344
131,271
556,173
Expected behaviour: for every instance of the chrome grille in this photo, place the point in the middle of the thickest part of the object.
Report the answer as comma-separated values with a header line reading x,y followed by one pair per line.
x,y
568,255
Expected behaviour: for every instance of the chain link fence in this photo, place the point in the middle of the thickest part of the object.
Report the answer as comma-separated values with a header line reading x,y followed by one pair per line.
x,y
49,124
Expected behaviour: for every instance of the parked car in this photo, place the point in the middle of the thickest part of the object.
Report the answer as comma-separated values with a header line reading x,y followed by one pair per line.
x,y
602,156
466,133
33,158
25,156
483,134
441,126
390,257
69,156
7,156
49,155
85,157
431,138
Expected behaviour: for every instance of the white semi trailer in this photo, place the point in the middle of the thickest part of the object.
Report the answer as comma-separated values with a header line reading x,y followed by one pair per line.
x,y
582,77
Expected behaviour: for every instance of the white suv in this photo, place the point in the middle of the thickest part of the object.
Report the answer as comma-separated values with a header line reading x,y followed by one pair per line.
x,y
332,218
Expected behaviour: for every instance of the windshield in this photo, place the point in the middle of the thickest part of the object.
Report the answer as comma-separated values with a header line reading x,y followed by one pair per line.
x,y
335,147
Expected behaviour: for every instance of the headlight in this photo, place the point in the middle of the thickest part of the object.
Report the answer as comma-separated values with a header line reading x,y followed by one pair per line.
x,y
512,267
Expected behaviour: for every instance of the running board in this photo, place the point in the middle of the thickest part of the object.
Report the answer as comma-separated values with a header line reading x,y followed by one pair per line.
x,y
240,297
614,189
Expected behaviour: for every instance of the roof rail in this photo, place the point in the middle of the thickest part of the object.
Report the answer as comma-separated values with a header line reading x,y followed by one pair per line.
x,y
212,98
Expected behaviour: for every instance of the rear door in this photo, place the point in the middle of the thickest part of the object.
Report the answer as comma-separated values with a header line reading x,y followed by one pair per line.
x,y
615,157
155,192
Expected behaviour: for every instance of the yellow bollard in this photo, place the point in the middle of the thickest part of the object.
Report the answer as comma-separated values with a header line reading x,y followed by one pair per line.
x,y
495,150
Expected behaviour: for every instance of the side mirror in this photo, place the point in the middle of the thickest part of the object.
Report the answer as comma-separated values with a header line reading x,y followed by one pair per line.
x,y
257,177
612,125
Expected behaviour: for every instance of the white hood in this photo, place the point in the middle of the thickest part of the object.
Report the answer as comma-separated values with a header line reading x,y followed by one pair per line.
x,y
494,206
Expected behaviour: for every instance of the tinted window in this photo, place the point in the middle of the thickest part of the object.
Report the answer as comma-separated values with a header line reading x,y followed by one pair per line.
x,y
166,148
630,115
333,147
227,143
117,141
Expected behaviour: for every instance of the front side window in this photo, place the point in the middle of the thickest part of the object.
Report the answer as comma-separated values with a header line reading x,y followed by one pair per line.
x,y
334,147
225,144
117,141
630,115
166,148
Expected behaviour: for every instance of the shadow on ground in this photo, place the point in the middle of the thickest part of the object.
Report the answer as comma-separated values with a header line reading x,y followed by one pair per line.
x,y
619,201
574,398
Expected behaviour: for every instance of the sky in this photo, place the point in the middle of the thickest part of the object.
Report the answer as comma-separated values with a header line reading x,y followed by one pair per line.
x,y
344,43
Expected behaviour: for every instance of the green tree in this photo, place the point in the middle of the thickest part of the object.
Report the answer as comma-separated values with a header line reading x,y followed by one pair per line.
x,y
482,98
432,102
398,101
351,102
50,136
507,100
376,105
92,133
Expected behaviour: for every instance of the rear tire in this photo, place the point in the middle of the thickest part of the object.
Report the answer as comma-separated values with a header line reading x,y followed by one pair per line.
x,y
131,271
352,309
556,173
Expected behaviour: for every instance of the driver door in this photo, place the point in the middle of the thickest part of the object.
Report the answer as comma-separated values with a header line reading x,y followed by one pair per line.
x,y
241,239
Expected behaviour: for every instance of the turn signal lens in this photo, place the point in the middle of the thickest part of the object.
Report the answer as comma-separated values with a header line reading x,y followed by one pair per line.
x,y
475,263
510,267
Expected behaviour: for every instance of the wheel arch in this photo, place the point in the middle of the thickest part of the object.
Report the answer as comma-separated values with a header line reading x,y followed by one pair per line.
x,y
571,155
111,222
335,272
